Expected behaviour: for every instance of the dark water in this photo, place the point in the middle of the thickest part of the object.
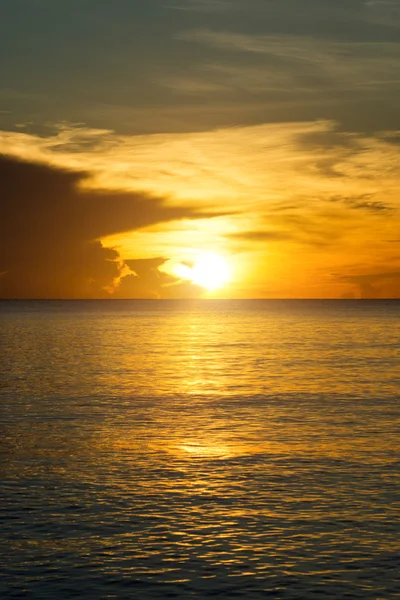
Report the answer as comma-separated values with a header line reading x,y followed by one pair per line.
x,y
231,449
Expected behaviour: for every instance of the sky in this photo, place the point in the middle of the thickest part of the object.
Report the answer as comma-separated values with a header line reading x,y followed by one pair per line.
x,y
137,138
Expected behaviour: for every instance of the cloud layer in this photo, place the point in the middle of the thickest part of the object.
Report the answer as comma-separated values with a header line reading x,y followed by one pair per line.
x,y
189,65
290,205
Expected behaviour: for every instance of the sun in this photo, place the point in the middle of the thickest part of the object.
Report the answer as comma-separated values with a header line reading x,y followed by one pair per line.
x,y
209,270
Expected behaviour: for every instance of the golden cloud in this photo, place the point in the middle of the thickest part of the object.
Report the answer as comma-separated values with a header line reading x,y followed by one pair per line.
x,y
270,191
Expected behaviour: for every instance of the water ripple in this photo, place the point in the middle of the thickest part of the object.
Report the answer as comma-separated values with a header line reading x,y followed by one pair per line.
x,y
189,453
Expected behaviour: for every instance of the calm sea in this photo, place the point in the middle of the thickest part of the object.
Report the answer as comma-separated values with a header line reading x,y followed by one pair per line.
x,y
200,449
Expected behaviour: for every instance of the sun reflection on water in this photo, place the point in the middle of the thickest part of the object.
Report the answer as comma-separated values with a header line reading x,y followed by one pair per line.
x,y
174,449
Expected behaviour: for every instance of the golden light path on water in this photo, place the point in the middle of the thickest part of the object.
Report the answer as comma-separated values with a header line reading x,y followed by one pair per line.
x,y
194,449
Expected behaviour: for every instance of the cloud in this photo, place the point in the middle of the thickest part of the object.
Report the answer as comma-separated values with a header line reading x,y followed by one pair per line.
x,y
362,202
356,19
150,280
261,236
144,279
207,6
258,195
384,284
253,61
383,12
309,63
50,230
219,170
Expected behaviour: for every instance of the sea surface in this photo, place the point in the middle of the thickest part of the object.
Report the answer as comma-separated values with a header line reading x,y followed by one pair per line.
x,y
199,449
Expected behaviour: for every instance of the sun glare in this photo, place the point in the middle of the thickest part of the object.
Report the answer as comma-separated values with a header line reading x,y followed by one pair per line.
x,y
209,271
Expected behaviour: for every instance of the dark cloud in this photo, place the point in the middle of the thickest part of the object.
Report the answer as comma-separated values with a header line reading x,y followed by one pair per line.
x,y
50,230
145,281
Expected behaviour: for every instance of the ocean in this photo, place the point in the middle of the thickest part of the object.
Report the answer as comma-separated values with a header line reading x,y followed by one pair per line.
x,y
199,449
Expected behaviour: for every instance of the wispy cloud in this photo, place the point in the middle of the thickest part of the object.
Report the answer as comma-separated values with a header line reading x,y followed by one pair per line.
x,y
206,6
383,12
260,235
362,202
311,63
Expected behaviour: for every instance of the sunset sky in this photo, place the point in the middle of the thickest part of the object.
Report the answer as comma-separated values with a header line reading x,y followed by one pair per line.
x,y
139,137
